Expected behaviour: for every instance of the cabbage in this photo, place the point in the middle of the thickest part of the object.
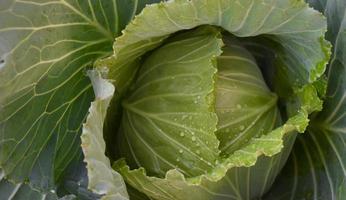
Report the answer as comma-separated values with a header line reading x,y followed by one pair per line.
x,y
199,99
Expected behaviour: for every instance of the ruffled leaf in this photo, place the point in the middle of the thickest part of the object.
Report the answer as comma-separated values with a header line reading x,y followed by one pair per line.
x,y
317,166
102,179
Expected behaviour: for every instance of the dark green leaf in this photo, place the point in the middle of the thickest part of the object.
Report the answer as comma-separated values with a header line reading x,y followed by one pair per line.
x,y
45,47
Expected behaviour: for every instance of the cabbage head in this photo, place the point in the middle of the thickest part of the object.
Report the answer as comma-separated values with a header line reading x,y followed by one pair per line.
x,y
204,99
173,99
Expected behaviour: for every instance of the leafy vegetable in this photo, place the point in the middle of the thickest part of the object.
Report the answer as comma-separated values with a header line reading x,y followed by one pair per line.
x,y
199,99
173,122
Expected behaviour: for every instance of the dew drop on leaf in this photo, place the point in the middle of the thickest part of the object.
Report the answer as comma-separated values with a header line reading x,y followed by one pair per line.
x,y
241,128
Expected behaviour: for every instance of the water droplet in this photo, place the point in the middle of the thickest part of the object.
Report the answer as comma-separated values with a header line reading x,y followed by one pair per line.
x,y
181,151
192,133
238,106
195,101
193,138
198,97
198,152
182,134
241,127
209,163
177,159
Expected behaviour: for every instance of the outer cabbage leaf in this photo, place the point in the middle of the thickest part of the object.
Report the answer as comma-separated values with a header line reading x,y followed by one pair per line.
x,y
45,47
102,179
300,57
10,190
75,182
317,165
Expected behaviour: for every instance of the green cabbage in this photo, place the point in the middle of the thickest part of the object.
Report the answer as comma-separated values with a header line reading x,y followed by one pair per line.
x,y
209,98
199,99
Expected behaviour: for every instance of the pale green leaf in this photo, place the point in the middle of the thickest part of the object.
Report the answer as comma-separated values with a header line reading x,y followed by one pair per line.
x,y
245,106
102,179
168,117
